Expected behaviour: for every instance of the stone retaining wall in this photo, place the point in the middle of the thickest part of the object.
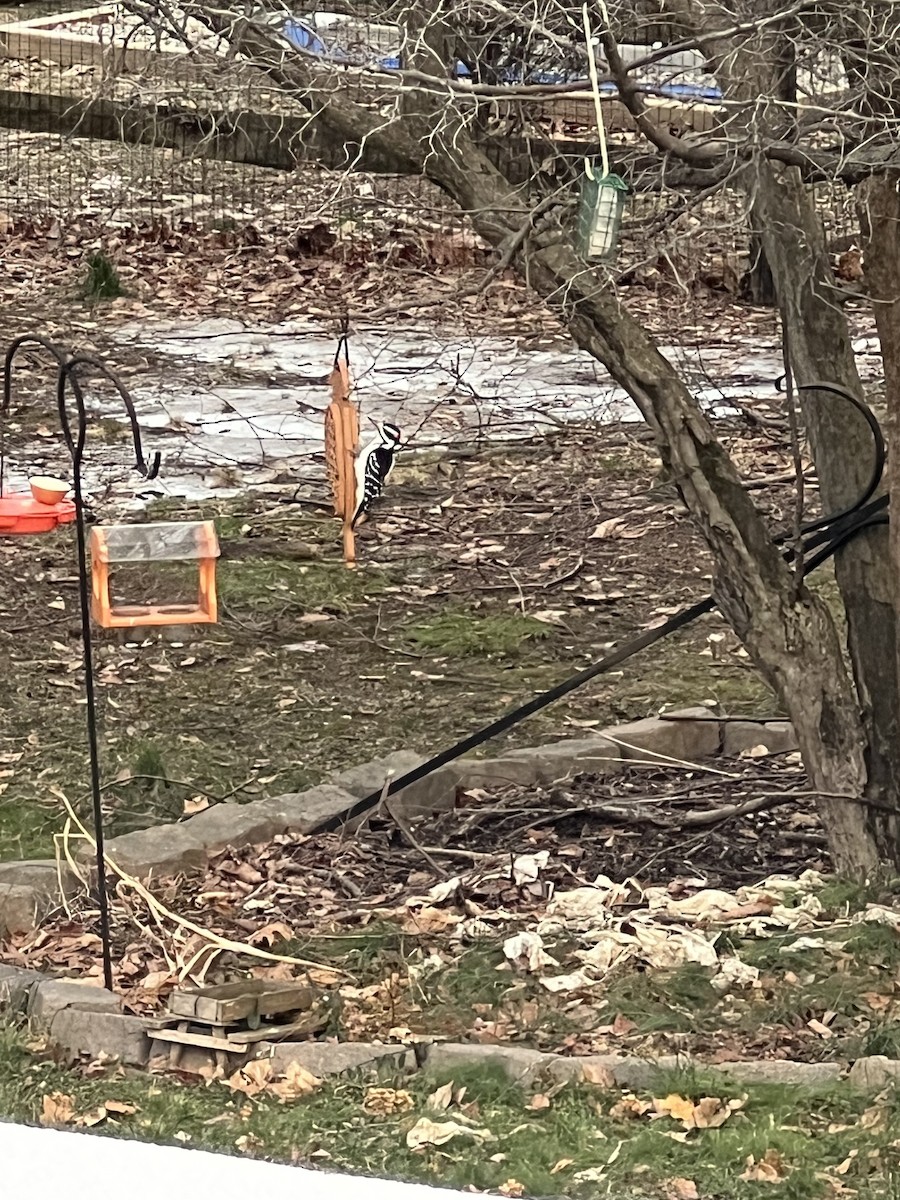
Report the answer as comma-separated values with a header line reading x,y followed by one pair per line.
x,y
29,890
83,1020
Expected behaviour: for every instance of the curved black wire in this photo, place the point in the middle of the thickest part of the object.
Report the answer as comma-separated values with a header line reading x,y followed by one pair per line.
x,y
880,450
61,356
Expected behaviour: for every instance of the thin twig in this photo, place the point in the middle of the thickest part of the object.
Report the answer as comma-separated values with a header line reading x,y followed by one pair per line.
x,y
410,837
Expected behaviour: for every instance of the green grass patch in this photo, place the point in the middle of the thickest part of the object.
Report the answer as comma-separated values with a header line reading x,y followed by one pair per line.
x,y
574,1140
101,280
467,634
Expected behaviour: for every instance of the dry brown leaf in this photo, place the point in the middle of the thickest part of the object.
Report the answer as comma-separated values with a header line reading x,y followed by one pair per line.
x,y
426,1132
769,1169
442,1098
538,1102
268,935
681,1189
248,1142
57,1109
615,527
875,1117
429,919
598,1075
876,1001
385,1101
711,1112
708,1113
629,1108
561,1165
677,1107
89,1119
622,1026
155,981
297,1082
252,1078
845,1166
511,1187
119,1107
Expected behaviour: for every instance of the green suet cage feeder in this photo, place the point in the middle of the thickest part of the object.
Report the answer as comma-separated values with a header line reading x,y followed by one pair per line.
x,y
602,201
600,212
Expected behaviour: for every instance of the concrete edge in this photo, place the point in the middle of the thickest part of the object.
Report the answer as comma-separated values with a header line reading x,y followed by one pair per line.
x,y
29,891
81,1023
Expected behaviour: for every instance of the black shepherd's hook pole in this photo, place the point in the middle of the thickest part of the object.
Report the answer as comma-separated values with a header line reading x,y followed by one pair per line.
x,y
67,375
27,339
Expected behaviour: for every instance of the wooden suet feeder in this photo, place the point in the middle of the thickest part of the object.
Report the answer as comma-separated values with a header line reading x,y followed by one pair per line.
x,y
168,541
341,440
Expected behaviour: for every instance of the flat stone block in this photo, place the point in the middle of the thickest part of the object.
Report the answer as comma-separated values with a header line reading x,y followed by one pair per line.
x,y
304,812
780,1071
521,770
575,756
519,1063
22,908
51,996
435,793
334,1058
368,777
688,741
233,825
874,1072
78,1034
159,850
39,873
777,736
16,986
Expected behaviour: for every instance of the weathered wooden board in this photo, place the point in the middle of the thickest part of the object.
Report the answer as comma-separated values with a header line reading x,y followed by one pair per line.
x,y
228,1003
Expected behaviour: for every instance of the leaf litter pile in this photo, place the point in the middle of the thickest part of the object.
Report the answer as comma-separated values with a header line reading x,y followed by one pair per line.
x,y
623,914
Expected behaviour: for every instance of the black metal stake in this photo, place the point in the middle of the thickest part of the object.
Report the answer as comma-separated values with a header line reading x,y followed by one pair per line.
x,y
76,448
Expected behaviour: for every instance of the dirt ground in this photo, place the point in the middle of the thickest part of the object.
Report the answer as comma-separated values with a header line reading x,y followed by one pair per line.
x,y
480,582
484,577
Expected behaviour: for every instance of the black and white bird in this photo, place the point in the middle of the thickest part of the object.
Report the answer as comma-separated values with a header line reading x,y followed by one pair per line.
x,y
374,464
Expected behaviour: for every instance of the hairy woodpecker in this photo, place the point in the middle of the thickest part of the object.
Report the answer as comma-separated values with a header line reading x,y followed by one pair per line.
x,y
374,464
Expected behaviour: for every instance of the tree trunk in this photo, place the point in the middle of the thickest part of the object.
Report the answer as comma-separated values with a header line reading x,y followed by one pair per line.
x,y
789,633
757,284
821,349
752,72
879,212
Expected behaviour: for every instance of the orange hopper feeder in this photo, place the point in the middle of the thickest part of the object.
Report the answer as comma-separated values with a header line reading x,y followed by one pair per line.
x,y
169,541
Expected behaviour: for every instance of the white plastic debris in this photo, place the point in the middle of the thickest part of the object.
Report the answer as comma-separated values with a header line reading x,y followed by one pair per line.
x,y
733,972
526,951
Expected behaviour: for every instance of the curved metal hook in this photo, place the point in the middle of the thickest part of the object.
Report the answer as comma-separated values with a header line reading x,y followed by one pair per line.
x,y
343,341
61,358
67,374
879,447
14,347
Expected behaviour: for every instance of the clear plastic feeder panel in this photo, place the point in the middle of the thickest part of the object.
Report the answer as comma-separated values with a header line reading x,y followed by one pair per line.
x,y
162,542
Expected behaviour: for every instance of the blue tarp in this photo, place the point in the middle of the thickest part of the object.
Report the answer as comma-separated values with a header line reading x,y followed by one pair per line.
x,y
301,35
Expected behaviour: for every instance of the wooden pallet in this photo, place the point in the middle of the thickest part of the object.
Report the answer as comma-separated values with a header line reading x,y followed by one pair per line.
x,y
228,1018
247,1000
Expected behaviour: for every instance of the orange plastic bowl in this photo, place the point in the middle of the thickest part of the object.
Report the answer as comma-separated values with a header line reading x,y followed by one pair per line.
x,y
47,490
